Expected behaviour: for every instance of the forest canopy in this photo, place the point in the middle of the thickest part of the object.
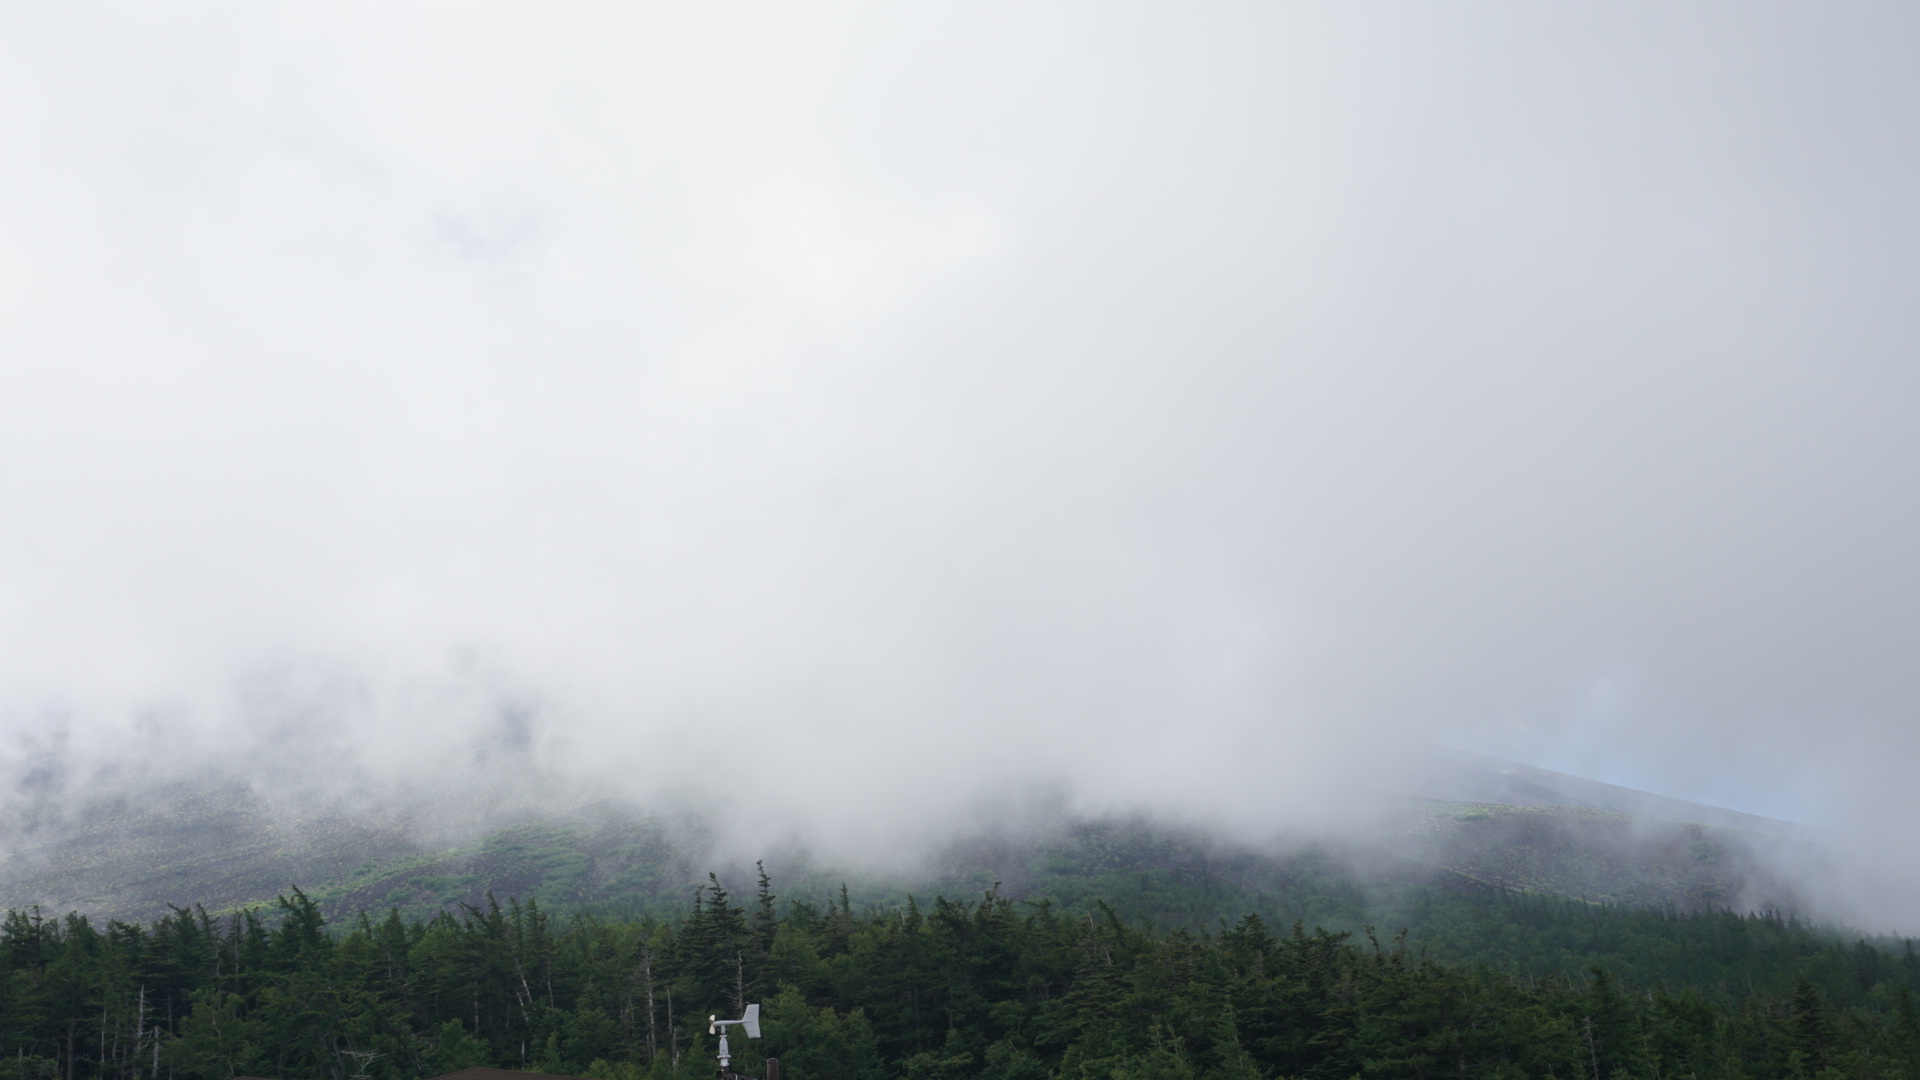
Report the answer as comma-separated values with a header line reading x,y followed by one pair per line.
x,y
989,988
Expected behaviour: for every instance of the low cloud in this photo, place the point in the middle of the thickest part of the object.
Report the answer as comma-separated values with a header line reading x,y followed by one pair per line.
x,y
848,419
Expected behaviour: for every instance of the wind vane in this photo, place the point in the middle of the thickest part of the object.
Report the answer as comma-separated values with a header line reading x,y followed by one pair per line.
x,y
750,1022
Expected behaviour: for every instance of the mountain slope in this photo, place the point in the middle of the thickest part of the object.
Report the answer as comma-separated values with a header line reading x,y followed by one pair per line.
x,y
1509,827
1464,776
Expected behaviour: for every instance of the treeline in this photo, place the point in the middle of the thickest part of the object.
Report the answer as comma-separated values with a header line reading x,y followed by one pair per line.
x,y
992,989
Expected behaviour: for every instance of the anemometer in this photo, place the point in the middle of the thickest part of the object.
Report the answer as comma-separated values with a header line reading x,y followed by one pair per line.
x,y
750,1022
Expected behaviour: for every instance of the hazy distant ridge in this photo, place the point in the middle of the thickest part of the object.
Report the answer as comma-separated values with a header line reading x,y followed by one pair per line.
x,y
1464,776
1483,823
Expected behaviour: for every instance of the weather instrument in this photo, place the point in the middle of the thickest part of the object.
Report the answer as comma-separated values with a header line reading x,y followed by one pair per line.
x,y
751,1022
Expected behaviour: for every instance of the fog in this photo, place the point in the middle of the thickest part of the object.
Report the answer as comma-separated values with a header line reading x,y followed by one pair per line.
x,y
857,419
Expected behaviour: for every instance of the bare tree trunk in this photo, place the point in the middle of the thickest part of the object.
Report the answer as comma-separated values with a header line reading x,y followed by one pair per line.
x,y
139,1029
646,972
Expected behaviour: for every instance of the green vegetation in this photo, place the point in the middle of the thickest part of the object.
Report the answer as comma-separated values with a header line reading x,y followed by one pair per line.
x,y
215,843
628,865
1539,941
1601,855
1481,984
129,859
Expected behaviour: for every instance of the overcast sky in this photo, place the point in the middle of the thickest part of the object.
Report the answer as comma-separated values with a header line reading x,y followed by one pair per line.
x,y
902,404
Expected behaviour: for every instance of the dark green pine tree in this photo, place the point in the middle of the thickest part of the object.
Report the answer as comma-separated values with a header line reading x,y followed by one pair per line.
x,y
710,953
1812,1030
